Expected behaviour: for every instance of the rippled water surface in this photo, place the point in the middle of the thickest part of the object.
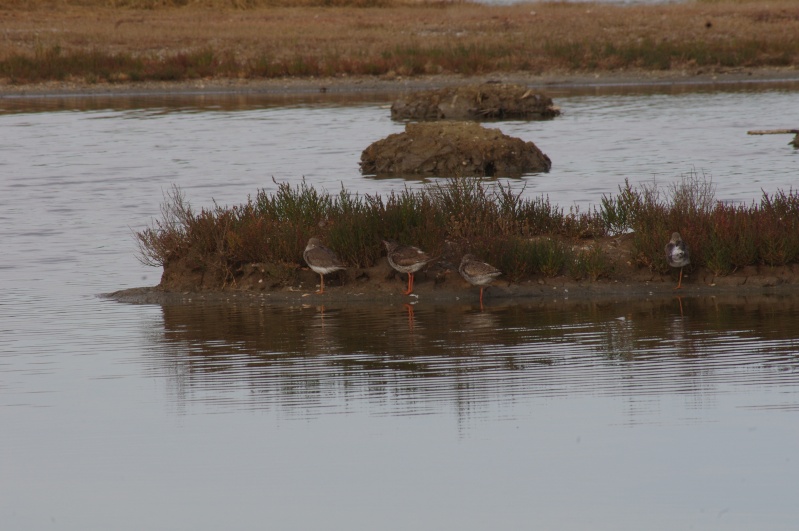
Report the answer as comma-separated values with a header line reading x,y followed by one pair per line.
x,y
559,414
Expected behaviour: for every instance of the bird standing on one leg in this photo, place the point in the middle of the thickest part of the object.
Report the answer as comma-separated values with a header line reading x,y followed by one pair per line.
x,y
406,259
477,273
321,260
677,254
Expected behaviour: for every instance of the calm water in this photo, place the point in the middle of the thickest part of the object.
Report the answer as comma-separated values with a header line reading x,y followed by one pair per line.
x,y
648,414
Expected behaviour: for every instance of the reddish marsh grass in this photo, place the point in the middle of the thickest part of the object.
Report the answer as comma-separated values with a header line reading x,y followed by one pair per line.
x,y
723,237
91,41
525,238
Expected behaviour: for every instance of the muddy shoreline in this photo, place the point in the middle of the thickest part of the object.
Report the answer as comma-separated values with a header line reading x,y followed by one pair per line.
x,y
564,81
547,295
777,282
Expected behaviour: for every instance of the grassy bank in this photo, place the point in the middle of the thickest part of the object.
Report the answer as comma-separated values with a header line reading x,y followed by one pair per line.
x,y
524,237
139,40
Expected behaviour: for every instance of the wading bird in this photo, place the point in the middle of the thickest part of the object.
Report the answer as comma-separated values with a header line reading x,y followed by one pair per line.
x,y
478,273
677,254
406,259
321,260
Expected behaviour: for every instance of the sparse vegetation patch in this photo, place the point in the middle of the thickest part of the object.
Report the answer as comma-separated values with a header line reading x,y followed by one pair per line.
x,y
526,238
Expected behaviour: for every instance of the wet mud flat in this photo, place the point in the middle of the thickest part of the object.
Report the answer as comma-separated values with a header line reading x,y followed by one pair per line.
x,y
377,286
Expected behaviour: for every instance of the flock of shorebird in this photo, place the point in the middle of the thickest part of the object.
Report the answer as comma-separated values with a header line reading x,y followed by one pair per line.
x,y
403,258
409,259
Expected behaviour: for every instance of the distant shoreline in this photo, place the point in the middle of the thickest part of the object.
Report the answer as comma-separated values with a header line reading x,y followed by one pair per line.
x,y
742,77
289,47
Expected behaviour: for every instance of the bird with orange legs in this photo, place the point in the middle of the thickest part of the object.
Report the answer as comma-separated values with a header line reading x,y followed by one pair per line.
x,y
677,254
406,259
478,273
321,260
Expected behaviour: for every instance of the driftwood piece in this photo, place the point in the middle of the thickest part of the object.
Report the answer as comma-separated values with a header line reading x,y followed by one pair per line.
x,y
773,132
794,142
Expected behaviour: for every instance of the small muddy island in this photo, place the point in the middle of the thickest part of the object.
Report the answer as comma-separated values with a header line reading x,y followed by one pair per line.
x,y
451,149
486,101
622,250
454,145
441,282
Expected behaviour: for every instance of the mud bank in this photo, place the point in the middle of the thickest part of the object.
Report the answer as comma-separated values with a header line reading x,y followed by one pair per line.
x,y
553,82
443,285
440,282
496,296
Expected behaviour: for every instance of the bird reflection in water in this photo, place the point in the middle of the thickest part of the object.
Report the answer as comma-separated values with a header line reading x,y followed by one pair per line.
x,y
679,300
317,334
411,318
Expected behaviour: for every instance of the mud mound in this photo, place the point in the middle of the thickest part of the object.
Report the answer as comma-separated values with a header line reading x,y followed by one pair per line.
x,y
488,101
452,149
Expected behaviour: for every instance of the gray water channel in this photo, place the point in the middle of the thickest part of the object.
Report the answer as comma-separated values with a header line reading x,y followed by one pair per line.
x,y
677,413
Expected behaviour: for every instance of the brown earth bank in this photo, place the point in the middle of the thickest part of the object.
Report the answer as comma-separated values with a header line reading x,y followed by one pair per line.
x,y
440,282
553,82
378,286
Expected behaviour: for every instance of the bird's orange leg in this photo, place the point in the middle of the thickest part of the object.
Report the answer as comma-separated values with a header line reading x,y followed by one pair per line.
x,y
481,297
679,283
321,284
410,284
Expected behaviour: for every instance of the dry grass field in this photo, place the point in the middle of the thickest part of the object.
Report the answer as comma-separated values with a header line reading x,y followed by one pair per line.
x,y
173,40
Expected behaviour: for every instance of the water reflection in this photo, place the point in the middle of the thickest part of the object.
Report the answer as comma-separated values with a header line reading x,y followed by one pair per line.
x,y
310,360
